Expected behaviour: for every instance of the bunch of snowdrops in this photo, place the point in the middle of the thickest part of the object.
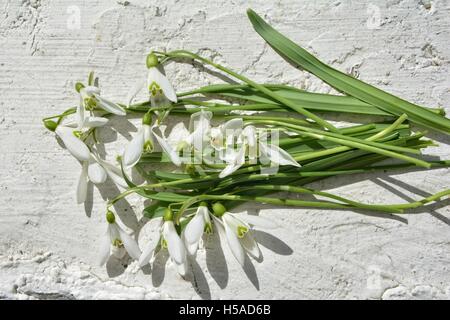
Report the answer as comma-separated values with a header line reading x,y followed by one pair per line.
x,y
245,142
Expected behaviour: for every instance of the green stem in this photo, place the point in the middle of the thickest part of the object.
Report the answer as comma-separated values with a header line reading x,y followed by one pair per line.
x,y
286,102
374,147
393,208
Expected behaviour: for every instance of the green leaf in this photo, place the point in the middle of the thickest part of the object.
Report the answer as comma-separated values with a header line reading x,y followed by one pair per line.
x,y
168,197
155,210
301,58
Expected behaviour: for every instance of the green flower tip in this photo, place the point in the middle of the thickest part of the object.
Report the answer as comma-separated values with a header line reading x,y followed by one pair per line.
x,y
190,169
219,209
147,119
110,217
50,125
203,204
168,215
152,60
79,86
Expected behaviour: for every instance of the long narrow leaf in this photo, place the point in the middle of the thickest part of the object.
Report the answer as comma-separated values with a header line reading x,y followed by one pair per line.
x,y
343,82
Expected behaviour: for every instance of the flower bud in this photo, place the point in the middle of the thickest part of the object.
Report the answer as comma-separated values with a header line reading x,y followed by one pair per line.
x,y
168,215
218,209
79,86
110,217
147,119
152,60
50,125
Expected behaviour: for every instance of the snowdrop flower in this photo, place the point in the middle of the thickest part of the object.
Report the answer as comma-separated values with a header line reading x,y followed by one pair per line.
x,y
196,136
96,170
236,229
274,153
158,85
157,82
90,99
169,240
230,133
71,140
70,133
87,120
225,134
192,142
143,141
248,142
201,222
116,239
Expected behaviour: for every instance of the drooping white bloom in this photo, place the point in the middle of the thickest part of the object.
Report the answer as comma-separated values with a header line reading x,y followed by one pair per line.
x,y
159,87
90,98
234,159
249,143
73,143
96,170
200,223
171,241
198,134
274,153
70,132
117,239
225,134
235,228
143,141
85,119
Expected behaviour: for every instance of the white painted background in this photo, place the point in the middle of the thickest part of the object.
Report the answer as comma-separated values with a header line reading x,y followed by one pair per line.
x,y
48,244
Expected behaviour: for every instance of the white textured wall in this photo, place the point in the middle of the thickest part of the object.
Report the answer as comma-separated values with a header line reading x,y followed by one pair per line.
x,y
48,244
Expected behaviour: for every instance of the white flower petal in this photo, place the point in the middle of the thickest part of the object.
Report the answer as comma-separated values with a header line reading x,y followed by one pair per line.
x,y
234,163
234,222
74,145
110,106
191,248
250,245
105,247
194,229
277,155
174,243
250,133
157,76
233,124
148,135
133,150
114,173
199,126
200,119
80,114
130,244
89,91
96,173
181,268
148,252
234,244
82,183
167,148
95,122
257,221
178,135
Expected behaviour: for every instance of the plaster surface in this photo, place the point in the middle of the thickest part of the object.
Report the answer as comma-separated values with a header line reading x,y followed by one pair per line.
x,y
49,245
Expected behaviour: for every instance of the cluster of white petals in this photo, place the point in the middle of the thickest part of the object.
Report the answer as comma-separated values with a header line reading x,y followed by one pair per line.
x,y
233,142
